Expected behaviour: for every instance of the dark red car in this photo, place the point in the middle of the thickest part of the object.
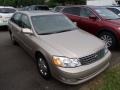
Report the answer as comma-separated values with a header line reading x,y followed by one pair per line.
x,y
96,20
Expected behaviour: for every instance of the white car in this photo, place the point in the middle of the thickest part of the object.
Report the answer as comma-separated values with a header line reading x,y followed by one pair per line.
x,y
5,14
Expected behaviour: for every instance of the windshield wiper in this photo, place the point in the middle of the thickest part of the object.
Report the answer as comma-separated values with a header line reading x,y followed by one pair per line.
x,y
45,33
63,31
57,32
67,30
53,32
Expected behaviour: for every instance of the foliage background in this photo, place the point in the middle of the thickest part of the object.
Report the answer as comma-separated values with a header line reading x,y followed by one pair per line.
x,y
51,3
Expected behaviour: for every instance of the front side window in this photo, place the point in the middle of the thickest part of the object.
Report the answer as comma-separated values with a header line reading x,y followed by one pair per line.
x,y
25,22
57,9
106,14
84,12
30,8
26,8
48,24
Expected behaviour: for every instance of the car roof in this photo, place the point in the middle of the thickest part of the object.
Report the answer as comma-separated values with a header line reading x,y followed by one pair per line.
x,y
6,7
89,6
60,6
38,5
36,13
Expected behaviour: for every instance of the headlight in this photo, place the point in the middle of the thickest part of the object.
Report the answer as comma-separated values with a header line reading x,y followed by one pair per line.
x,y
66,62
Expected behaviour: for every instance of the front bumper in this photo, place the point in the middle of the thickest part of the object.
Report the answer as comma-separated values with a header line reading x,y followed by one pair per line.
x,y
83,73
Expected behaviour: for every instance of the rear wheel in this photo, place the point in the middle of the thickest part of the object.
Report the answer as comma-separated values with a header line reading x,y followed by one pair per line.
x,y
109,38
43,67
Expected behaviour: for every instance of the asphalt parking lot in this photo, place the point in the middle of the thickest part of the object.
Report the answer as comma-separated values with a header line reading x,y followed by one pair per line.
x,y
19,72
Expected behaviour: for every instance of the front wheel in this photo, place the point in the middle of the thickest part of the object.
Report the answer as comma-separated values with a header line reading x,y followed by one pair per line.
x,y
109,38
43,67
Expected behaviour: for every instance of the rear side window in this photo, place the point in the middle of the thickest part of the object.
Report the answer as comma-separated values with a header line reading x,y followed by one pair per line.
x,y
7,10
57,9
41,8
85,12
16,18
25,8
72,10
116,11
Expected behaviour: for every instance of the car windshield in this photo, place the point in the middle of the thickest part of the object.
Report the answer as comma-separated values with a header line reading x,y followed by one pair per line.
x,y
117,8
7,10
107,14
49,24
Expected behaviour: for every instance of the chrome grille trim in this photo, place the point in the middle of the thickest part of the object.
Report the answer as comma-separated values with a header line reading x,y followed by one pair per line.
x,y
92,58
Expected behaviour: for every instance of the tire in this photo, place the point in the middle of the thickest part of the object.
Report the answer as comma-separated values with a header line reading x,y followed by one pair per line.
x,y
12,38
43,67
109,38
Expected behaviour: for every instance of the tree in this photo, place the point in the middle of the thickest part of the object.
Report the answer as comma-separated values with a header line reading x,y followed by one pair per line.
x,y
64,2
20,2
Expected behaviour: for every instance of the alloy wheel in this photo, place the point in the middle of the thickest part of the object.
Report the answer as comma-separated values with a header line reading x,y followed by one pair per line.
x,y
42,67
107,39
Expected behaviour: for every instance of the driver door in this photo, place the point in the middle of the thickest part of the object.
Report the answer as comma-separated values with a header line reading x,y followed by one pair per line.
x,y
26,39
86,23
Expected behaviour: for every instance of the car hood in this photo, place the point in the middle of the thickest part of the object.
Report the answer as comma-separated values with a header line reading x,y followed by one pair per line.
x,y
76,43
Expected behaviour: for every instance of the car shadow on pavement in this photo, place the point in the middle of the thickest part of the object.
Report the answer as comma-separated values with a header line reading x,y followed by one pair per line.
x,y
117,49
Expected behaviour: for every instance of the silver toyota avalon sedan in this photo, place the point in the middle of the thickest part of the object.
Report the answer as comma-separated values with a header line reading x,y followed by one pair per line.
x,y
60,48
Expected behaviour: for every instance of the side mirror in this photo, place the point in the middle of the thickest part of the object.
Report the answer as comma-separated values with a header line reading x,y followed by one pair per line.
x,y
93,17
27,31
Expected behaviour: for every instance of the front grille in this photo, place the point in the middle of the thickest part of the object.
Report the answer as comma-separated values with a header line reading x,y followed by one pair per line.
x,y
92,58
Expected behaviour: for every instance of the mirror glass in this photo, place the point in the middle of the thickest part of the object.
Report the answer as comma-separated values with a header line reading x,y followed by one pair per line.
x,y
27,31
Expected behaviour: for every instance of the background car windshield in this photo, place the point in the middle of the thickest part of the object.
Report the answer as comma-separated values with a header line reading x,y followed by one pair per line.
x,y
7,10
105,13
51,23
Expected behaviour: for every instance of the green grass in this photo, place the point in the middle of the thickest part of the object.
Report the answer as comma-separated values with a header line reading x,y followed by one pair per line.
x,y
111,79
